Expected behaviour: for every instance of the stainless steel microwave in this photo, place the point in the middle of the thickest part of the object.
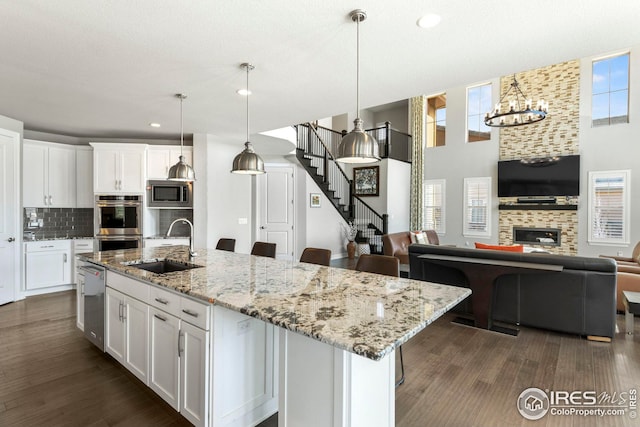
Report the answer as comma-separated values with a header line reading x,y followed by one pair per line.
x,y
169,194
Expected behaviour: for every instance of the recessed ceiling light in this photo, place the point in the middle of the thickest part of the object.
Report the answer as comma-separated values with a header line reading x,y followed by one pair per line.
x,y
429,20
243,92
154,125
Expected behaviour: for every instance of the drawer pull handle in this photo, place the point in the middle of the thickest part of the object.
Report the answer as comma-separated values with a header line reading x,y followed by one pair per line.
x,y
189,312
157,316
162,301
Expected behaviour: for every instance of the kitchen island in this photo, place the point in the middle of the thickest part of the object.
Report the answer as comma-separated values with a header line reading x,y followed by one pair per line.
x,y
338,329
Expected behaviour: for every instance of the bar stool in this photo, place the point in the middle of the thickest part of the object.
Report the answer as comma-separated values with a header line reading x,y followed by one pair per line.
x,y
389,266
316,256
225,244
264,249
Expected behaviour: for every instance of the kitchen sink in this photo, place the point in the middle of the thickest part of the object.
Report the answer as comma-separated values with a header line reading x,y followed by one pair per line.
x,y
164,266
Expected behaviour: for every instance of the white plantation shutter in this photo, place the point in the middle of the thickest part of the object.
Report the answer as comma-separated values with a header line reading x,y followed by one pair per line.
x,y
609,207
477,209
433,197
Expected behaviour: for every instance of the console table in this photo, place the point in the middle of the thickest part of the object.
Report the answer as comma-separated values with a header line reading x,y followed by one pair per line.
x,y
631,301
481,274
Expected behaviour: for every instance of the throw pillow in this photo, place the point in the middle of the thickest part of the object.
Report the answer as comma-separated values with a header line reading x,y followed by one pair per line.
x,y
418,237
514,248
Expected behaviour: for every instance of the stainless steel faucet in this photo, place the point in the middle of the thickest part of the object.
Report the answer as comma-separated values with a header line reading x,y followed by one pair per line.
x,y
185,220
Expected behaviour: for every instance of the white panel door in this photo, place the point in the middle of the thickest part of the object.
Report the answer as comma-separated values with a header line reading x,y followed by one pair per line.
x,y
114,343
276,209
35,191
9,247
133,171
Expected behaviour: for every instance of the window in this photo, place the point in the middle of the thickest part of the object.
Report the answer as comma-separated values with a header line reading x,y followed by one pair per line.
x,y
433,209
610,91
478,104
436,120
609,207
477,212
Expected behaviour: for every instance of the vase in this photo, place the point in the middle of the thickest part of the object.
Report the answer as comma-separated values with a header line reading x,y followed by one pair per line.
x,y
351,249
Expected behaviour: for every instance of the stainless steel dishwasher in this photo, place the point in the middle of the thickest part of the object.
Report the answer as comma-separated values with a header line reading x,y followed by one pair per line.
x,y
94,288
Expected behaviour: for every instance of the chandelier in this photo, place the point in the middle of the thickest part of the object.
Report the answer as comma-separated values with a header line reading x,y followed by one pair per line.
x,y
181,171
521,111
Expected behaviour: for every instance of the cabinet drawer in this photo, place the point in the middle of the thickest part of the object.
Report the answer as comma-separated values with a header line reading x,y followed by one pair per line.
x,y
127,286
47,245
83,246
196,313
165,300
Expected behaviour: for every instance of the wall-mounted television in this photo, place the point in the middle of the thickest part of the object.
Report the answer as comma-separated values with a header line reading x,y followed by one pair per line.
x,y
549,176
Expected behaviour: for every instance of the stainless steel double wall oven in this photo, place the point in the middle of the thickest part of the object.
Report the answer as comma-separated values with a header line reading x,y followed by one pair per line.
x,y
118,222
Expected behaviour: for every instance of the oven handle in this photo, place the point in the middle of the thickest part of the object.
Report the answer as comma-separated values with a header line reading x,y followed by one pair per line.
x,y
121,237
110,203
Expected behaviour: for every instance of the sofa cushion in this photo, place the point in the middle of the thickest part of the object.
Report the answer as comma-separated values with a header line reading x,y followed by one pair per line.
x,y
418,237
514,248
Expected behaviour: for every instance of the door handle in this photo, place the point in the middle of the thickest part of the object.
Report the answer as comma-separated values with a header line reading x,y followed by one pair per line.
x,y
11,239
262,227
50,200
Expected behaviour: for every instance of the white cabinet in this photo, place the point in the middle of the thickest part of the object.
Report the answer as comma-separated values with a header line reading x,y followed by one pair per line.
x,y
49,175
164,362
127,332
119,168
84,177
155,243
161,158
47,263
179,355
79,246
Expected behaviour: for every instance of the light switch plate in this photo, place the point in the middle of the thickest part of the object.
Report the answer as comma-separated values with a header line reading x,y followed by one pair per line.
x,y
243,221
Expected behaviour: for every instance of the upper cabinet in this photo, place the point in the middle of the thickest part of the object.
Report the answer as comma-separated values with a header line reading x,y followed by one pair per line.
x,y
49,175
84,177
161,157
119,168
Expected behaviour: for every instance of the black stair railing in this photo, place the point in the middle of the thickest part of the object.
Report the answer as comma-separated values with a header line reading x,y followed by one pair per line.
x,y
393,144
314,153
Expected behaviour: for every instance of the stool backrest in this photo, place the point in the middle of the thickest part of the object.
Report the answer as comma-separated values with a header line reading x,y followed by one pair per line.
x,y
380,264
264,249
226,245
316,256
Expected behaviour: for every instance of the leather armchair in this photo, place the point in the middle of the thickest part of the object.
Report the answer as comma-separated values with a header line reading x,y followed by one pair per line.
x,y
628,280
634,260
397,244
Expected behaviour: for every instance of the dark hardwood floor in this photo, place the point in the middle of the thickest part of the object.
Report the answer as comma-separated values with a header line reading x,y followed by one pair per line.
x,y
456,376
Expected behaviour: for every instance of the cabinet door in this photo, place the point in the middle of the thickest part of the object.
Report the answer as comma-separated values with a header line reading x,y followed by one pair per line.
x,y
137,338
105,171
132,172
47,268
34,172
62,177
84,178
114,333
164,365
194,373
80,301
158,162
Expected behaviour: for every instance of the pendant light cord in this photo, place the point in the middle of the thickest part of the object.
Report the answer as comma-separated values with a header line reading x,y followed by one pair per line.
x,y
358,67
181,126
248,66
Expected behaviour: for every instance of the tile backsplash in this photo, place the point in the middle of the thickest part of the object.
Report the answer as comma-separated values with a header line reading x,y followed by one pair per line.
x,y
60,222
167,216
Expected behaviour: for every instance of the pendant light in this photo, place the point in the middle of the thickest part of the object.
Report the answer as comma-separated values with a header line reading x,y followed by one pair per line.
x,y
248,162
181,171
358,146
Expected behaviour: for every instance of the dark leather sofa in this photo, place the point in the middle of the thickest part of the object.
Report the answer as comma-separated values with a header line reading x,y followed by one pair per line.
x,y
581,299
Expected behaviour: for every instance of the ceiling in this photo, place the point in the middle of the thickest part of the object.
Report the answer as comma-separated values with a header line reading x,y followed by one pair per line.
x,y
106,69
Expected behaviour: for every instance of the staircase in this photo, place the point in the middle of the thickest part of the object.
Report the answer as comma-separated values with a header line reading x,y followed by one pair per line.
x,y
314,153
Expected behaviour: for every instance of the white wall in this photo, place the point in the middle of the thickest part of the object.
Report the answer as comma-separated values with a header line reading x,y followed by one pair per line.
x,y
604,148
220,197
458,160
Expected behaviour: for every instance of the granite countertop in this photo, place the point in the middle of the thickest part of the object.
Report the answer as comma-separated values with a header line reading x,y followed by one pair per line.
x,y
367,314
45,238
164,236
